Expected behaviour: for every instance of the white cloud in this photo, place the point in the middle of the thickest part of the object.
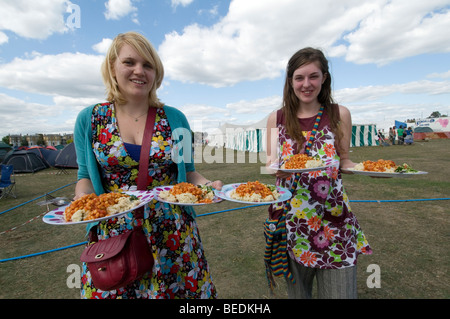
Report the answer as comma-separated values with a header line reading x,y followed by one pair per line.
x,y
212,12
376,92
253,42
34,19
365,103
444,75
385,114
400,29
103,46
76,104
184,3
3,38
204,117
200,111
23,117
66,74
117,9
375,105
259,106
71,80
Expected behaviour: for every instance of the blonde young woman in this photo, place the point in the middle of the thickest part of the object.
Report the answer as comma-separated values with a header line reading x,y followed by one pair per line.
x,y
323,235
108,139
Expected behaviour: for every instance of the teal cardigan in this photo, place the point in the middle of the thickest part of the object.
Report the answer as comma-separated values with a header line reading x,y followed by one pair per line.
x,y
87,163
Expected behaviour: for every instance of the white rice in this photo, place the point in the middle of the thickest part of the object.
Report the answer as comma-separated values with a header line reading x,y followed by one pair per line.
x,y
186,198
123,204
313,163
78,216
255,197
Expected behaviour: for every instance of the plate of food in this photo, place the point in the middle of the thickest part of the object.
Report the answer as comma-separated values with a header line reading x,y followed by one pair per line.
x,y
253,192
92,208
302,163
186,194
384,168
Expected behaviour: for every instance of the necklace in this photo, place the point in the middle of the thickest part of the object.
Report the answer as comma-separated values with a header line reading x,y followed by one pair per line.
x,y
314,130
280,264
134,117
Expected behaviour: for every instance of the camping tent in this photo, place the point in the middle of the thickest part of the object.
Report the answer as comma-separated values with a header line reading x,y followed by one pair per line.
x,y
48,155
24,161
4,149
67,157
364,135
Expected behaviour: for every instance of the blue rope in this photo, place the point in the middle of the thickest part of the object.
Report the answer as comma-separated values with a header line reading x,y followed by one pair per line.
x,y
228,210
43,252
231,209
31,200
398,200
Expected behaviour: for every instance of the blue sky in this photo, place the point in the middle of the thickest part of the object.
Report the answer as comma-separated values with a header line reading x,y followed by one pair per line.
x,y
224,60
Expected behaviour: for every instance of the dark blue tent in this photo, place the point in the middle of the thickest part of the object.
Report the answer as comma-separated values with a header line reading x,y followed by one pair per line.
x,y
48,155
67,157
24,161
4,149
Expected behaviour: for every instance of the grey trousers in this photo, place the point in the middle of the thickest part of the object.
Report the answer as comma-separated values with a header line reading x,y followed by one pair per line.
x,y
331,283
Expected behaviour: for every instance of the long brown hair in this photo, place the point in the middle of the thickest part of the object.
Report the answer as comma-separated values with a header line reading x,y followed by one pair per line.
x,y
291,101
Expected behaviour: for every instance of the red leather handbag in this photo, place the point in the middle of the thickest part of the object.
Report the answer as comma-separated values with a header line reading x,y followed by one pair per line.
x,y
118,261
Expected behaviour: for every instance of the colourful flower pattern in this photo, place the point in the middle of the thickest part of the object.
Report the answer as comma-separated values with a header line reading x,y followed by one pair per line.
x,y
322,230
180,269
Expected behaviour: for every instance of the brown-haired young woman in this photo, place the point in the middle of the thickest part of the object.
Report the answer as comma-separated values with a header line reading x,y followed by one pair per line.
x,y
323,235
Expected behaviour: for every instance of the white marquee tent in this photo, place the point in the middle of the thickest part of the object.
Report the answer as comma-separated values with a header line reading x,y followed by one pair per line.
x,y
364,135
252,138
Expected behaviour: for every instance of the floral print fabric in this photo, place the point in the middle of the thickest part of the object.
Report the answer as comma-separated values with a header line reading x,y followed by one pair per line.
x,y
180,269
322,231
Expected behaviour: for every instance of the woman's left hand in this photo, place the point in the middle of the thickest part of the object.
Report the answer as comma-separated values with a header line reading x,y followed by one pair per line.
x,y
346,164
216,184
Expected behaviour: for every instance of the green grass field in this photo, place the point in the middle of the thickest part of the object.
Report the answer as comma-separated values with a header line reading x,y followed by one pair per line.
x,y
409,235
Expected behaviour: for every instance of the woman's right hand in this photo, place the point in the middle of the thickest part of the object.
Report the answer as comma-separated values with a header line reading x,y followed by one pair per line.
x,y
83,187
79,195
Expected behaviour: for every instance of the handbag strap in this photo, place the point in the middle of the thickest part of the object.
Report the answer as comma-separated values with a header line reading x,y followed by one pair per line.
x,y
142,181
143,165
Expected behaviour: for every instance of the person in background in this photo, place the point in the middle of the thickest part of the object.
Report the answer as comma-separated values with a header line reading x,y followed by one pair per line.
x,y
381,138
108,138
409,139
324,237
400,136
392,135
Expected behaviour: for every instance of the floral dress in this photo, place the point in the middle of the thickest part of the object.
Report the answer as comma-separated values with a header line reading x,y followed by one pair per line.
x,y
180,269
322,231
